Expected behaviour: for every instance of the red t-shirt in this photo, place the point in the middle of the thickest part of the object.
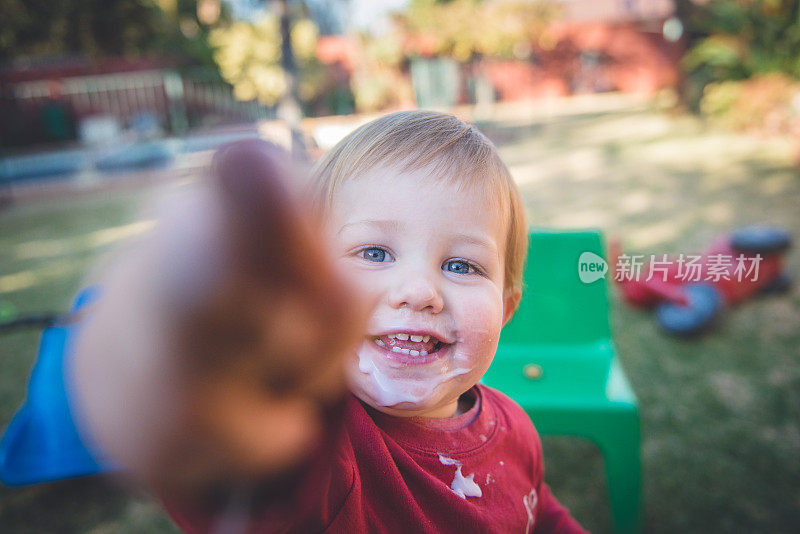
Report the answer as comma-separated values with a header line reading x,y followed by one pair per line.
x,y
481,471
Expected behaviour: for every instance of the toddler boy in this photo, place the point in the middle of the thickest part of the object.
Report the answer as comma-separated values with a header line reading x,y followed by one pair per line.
x,y
423,222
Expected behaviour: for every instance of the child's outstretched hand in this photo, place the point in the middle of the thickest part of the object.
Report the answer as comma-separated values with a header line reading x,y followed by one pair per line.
x,y
215,354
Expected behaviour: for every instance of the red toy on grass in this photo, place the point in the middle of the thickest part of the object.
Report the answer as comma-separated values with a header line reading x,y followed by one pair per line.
x,y
688,291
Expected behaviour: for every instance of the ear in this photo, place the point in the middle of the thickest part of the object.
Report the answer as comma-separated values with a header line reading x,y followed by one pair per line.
x,y
511,299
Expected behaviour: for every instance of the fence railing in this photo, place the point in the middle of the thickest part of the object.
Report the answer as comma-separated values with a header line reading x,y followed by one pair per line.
x,y
51,110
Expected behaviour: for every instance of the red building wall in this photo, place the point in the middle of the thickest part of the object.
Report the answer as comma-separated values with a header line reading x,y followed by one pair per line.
x,y
621,57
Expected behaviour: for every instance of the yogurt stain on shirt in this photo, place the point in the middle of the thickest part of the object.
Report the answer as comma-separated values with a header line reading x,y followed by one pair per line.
x,y
530,501
462,486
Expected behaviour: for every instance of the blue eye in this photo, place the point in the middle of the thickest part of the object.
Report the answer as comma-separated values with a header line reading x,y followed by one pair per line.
x,y
459,267
373,254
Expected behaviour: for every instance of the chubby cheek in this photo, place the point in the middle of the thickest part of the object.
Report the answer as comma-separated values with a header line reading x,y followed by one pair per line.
x,y
371,285
479,322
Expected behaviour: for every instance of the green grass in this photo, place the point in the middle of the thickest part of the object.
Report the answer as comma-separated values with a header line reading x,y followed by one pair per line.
x,y
720,414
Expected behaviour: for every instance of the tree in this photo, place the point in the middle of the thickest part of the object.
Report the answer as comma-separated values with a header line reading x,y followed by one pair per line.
x,y
464,29
94,28
250,56
741,38
743,64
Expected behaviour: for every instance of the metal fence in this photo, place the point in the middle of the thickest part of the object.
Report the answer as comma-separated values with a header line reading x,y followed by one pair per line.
x,y
51,110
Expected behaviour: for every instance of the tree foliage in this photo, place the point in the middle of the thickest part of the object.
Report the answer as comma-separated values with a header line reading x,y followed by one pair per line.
x,y
94,28
742,38
764,103
249,58
463,29
743,62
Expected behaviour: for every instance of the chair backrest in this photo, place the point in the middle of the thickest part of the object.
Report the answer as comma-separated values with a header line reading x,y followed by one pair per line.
x,y
42,442
558,308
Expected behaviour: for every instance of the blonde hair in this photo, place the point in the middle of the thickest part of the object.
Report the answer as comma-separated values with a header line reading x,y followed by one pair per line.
x,y
453,150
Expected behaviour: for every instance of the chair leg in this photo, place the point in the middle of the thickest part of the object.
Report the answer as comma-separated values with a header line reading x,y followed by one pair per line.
x,y
619,443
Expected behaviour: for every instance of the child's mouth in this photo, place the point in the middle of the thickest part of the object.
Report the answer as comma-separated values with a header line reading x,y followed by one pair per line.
x,y
410,348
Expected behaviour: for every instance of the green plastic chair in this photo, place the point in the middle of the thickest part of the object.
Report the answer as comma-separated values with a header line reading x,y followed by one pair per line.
x,y
557,360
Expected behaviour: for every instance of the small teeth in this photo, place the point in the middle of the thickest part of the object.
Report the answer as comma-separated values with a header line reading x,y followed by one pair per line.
x,y
402,336
413,337
410,352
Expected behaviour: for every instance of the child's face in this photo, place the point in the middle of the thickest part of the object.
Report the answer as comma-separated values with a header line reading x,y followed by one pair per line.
x,y
431,258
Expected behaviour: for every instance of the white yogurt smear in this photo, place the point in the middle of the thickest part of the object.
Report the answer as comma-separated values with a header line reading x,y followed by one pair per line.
x,y
462,486
406,387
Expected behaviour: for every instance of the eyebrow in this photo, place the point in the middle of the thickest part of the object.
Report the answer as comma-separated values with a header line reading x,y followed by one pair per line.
x,y
488,244
385,225
394,226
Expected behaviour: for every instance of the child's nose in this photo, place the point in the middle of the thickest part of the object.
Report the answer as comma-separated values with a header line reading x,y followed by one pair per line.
x,y
417,293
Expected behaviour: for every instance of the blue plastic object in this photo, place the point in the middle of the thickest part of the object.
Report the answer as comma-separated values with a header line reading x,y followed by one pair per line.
x,y
41,443
761,240
705,303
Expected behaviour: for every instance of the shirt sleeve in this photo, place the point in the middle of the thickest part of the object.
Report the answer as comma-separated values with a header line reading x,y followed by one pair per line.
x,y
552,517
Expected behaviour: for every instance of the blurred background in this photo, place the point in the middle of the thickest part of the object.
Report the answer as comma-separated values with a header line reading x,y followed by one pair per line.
x,y
665,123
